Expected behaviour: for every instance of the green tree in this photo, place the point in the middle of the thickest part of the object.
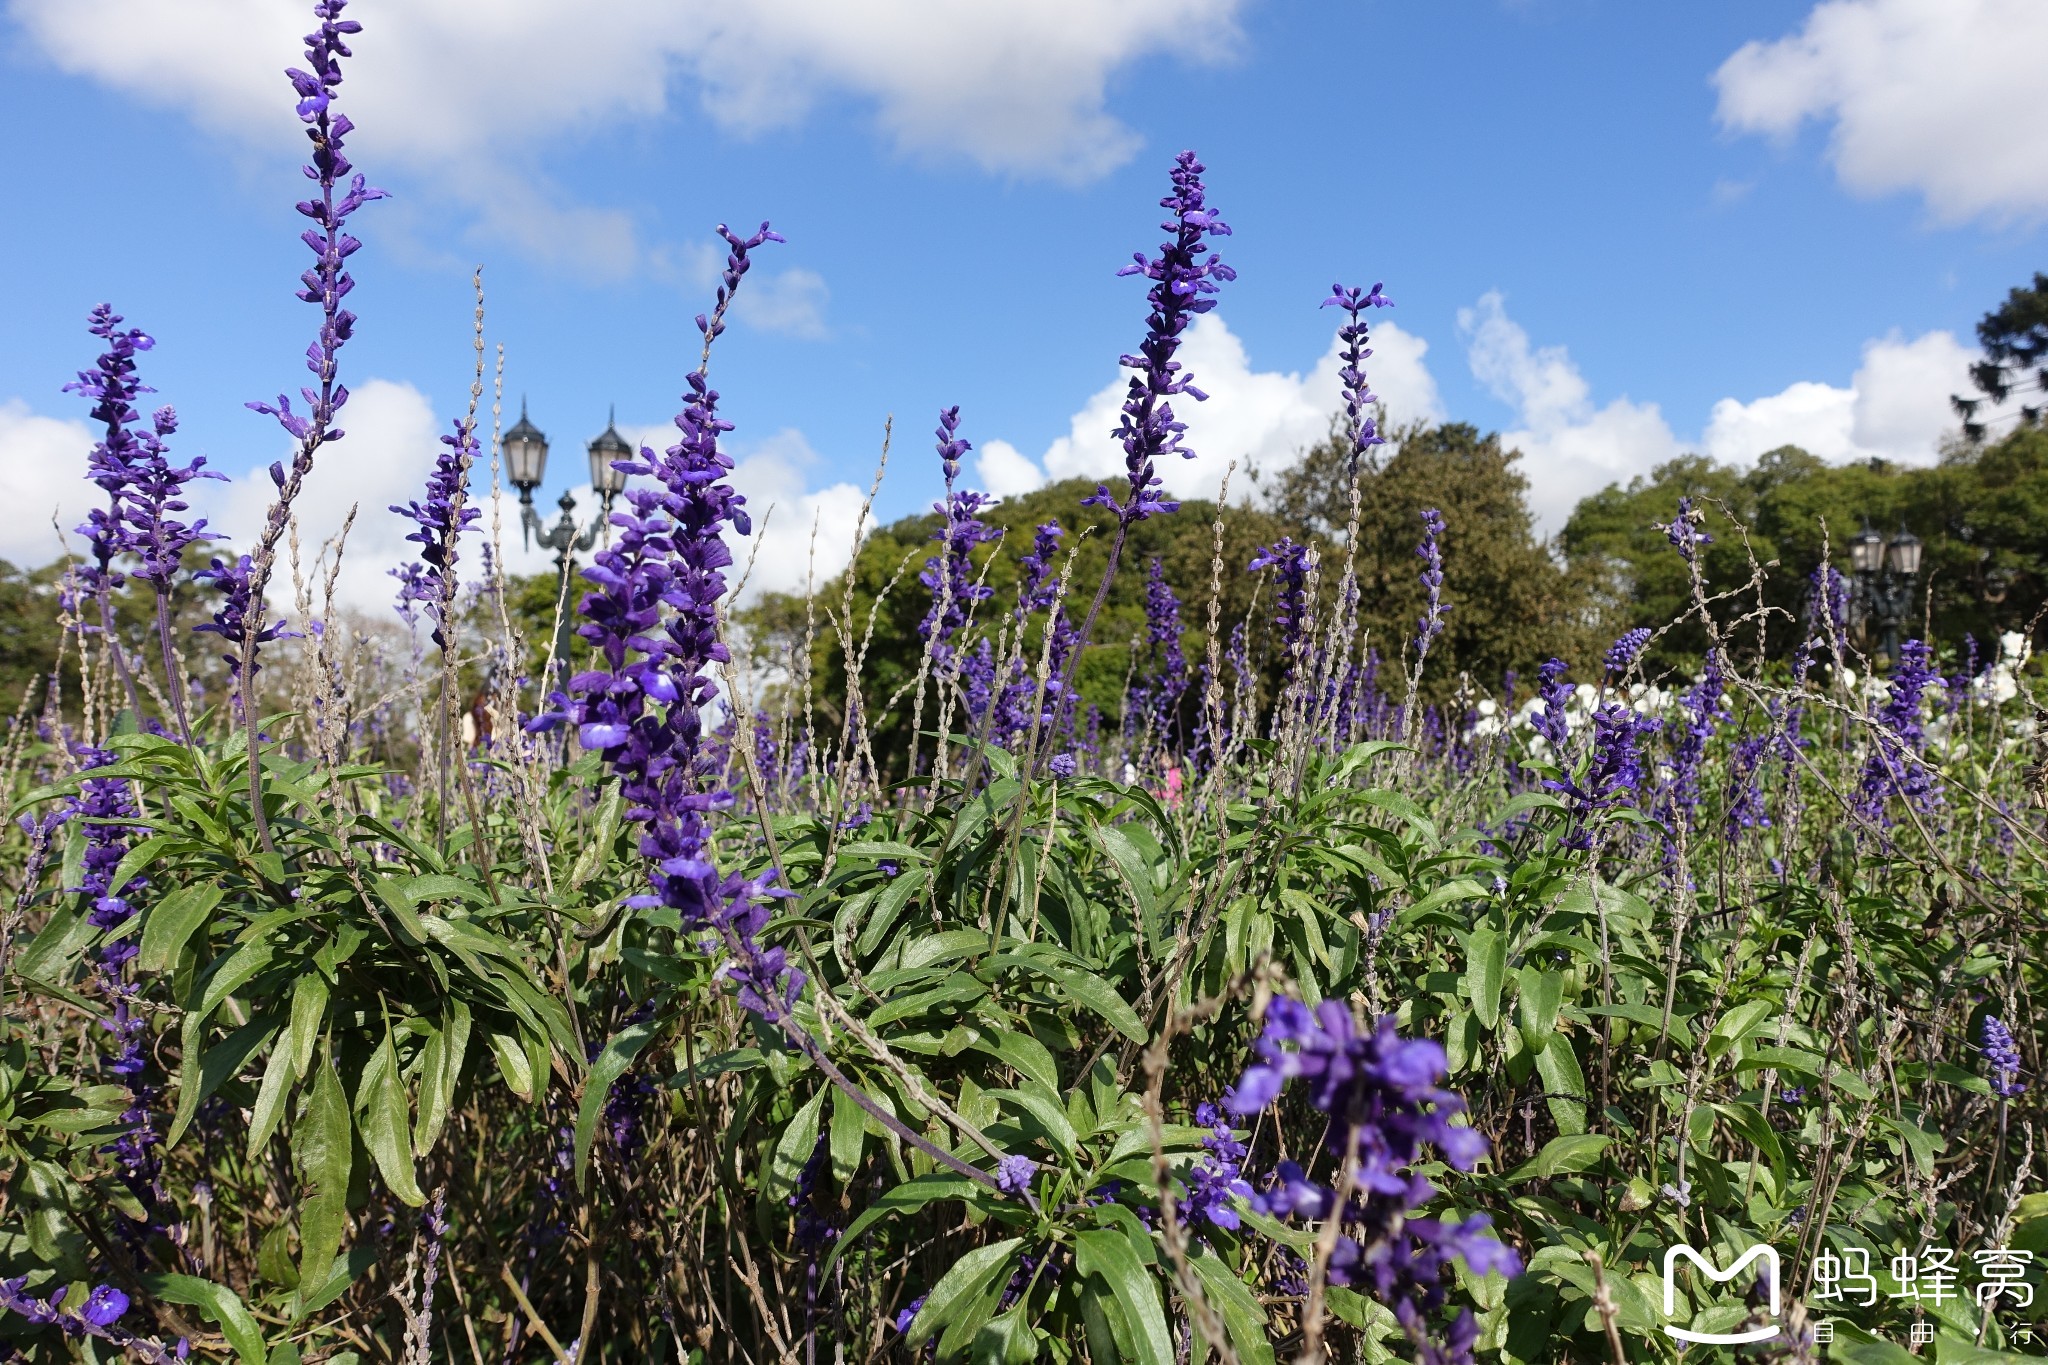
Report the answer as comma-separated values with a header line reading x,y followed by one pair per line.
x,y
2015,340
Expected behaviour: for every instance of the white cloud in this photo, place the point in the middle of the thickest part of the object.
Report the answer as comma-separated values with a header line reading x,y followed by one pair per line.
x,y
1569,447
1268,416
791,303
1925,95
800,533
467,103
42,477
1895,408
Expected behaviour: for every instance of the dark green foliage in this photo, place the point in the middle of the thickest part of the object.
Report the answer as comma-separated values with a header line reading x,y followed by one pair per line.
x,y
2015,340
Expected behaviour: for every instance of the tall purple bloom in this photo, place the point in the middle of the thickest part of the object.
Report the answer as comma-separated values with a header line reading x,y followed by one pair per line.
x,y
1290,565
1155,701
233,619
1430,551
1684,533
1898,740
1553,695
1184,283
641,706
949,576
1385,1105
2001,1053
1614,770
1216,1181
1037,590
439,522
1359,424
1702,706
1623,653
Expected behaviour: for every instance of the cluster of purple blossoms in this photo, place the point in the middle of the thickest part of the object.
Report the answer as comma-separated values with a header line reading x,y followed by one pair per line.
x,y
1382,1096
1360,425
1614,771
1553,696
1746,807
1895,765
132,464
1684,533
327,282
1623,653
99,1316
235,579
949,576
1290,563
1217,1181
1430,551
1184,283
1702,705
1019,700
107,809
439,521
1155,701
2002,1054
652,620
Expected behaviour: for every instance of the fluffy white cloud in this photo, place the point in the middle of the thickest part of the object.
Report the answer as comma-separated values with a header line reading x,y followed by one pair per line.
x,y
1926,95
800,534
1896,408
42,484
1267,416
1014,89
1569,447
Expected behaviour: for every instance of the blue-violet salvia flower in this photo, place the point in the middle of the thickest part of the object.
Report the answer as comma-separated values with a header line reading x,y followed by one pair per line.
x,y
1430,551
1184,284
439,522
1291,564
2002,1054
1623,653
949,576
1360,425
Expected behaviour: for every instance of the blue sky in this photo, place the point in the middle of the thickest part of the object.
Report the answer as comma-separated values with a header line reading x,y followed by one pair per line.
x,y
1613,230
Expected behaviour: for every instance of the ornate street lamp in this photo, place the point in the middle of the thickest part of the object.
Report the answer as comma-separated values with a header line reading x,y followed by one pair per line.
x,y
1885,575
526,460
607,450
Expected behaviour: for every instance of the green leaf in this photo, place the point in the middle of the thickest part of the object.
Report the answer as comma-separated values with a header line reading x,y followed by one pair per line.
x,y
914,1194
1563,1154
323,1143
849,1137
958,1286
278,1076
1005,1340
1736,1024
168,924
1093,993
1109,1256
1541,993
513,1064
1558,1065
60,943
611,1064
792,1153
218,1302
309,1012
387,1123
218,1064
1047,1115
1243,1318
1486,973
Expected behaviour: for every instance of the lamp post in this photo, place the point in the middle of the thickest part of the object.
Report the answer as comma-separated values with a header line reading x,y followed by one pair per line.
x,y
1885,575
526,460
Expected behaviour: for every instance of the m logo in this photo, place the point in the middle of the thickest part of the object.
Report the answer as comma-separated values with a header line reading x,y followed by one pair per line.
x,y
1768,1255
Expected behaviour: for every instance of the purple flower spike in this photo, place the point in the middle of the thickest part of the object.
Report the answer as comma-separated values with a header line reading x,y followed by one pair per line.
x,y
652,619
1014,1173
1183,288
230,621
1431,552
1290,564
950,576
2002,1054
1623,653
1360,424
1385,1105
441,520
